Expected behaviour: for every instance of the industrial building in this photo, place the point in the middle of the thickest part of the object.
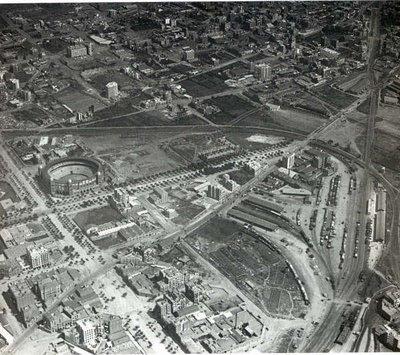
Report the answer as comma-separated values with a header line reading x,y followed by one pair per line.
x,y
248,218
263,203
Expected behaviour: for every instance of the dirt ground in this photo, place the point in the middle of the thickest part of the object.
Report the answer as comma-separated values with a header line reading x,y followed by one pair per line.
x,y
130,157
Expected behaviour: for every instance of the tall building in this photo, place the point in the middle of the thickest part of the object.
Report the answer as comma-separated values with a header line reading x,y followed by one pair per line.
x,y
112,12
38,257
21,295
214,192
228,183
263,72
79,116
120,200
27,95
89,48
14,84
77,50
188,54
252,167
163,309
161,194
121,195
317,162
288,161
112,90
48,289
168,95
87,331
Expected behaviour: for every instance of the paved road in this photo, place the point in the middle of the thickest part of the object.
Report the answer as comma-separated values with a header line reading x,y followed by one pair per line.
x,y
207,217
29,331
307,139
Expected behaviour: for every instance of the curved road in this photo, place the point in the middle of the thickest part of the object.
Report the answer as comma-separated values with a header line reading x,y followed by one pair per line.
x,y
323,334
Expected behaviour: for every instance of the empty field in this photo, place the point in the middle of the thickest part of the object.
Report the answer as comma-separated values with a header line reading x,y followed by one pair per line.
x,y
385,151
7,192
142,119
96,217
109,241
204,85
122,107
132,157
207,55
55,45
186,211
334,97
78,101
99,81
241,176
34,115
231,107
218,230
286,119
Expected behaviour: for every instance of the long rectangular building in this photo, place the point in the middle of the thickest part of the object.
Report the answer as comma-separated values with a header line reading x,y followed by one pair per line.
x,y
259,201
381,201
248,218
380,226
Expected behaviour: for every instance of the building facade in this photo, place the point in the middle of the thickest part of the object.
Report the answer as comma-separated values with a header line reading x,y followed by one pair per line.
x,y
39,257
112,90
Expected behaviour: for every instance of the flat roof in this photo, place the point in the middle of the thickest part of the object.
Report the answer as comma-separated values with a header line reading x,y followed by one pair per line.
x,y
257,200
252,219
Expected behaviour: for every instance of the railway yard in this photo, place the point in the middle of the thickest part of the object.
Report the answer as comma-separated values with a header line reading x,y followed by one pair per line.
x,y
214,200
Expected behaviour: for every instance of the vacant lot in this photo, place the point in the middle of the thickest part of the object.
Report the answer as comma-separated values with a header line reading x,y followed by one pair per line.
x,y
137,97
99,81
109,241
78,101
207,55
218,230
122,107
148,118
22,76
364,107
96,217
186,211
241,176
132,157
307,102
231,107
157,118
180,68
112,122
3,23
358,86
7,192
253,141
334,97
55,45
385,151
287,119
34,115
204,84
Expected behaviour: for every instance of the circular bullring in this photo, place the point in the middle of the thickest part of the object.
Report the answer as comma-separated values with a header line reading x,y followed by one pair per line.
x,y
67,176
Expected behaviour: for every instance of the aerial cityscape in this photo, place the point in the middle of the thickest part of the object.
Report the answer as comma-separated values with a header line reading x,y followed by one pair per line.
x,y
199,177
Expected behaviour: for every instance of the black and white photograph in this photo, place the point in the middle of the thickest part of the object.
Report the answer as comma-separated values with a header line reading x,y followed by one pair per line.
x,y
199,177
